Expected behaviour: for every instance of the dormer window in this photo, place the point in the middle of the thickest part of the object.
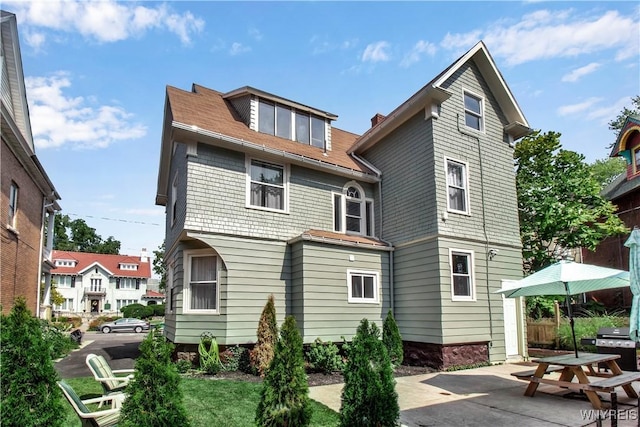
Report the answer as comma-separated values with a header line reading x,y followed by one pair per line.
x,y
65,263
277,119
128,266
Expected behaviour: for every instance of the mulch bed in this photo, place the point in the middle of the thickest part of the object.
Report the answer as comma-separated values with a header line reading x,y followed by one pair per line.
x,y
315,378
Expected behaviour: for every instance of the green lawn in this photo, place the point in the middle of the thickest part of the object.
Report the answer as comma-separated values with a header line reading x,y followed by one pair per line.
x,y
208,402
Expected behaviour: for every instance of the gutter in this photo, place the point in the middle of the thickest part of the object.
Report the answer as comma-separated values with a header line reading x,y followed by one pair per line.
x,y
281,153
311,238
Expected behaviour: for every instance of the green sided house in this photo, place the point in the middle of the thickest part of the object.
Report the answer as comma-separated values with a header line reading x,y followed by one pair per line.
x,y
264,195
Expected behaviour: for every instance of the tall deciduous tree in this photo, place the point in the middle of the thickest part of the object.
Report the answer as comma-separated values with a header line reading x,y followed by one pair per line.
x,y
77,236
605,170
558,200
159,267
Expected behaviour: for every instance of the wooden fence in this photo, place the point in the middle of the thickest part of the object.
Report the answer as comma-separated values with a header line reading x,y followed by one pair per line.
x,y
544,332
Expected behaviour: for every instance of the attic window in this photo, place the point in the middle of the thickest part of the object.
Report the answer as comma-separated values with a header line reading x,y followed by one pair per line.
x,y
128,266
286,122
65,263
473,116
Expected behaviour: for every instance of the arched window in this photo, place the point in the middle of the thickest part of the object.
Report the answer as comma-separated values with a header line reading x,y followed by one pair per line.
x,y
353,212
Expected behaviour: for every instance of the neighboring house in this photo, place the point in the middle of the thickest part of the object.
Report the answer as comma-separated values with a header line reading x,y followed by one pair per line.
x,y
624,192
29,199
153,297
98,283
418,215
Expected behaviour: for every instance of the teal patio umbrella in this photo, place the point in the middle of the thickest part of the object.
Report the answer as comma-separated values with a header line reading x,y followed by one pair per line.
x,y
633,243
567,278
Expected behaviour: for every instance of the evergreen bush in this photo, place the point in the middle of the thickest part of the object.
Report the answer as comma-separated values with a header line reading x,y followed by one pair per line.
x,y
154,396
368,397
231,357
158,309
137,311
267,334
284,399
392,339
29,395
323,357
59,343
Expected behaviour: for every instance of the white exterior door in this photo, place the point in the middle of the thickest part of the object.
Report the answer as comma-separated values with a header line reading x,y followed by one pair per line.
x,y
510,322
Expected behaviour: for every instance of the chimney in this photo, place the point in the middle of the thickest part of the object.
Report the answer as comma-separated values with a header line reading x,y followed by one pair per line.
x,y
378,118
143,255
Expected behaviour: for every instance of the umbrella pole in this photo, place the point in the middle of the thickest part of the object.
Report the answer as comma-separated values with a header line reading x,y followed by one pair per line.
x,y
570,314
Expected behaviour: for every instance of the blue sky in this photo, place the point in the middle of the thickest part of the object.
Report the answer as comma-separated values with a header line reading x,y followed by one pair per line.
x,y
96,74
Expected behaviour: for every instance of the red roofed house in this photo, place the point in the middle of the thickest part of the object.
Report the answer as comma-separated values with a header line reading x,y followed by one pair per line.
x,y
99,283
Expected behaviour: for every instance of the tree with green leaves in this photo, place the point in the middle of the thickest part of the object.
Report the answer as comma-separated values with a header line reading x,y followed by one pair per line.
x,y
154,397
267,334
604,171
29,395
159,266
392,339
77,236
284,399
559,201
617,123
368,396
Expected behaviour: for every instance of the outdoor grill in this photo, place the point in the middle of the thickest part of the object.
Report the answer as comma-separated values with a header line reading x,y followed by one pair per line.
x,y
617,341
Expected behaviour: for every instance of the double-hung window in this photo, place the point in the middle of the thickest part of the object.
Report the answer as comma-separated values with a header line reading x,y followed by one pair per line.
x,y
362,286
67,305
462,282
202,282
267,185
352,211
290,123
61,281
457,186
473,111
13,205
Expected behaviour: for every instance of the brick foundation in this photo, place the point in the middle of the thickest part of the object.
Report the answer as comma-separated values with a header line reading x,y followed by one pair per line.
x,y
440,356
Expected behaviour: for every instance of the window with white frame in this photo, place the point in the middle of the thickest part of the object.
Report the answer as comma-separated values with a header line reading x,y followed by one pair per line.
x,y
13,205
128,266
462,281
61,281
457,186
127,283
352,211
473,111
201,282
267,185
174,197
124,302
67,305
362,286
96,285
286,122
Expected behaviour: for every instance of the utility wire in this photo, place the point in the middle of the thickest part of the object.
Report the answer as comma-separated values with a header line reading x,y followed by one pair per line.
x,y
114,219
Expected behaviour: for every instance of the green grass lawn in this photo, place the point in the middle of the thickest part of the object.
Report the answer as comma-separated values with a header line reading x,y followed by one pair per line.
x,y
208,402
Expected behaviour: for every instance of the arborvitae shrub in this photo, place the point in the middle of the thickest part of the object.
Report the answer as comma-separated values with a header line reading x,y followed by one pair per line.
x,y
154,396
29,395
284,399
324,357
267,334
368,396
392,339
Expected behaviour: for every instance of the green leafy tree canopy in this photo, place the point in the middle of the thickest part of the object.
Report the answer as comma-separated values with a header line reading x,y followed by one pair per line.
x,y
76,236
159,266
605,170
617,123
559,201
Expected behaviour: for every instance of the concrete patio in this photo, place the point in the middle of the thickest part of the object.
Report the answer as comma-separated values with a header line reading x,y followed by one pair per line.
x,y
488,396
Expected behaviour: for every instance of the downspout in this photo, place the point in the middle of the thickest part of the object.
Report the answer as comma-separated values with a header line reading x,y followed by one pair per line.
x,y
484,229
41,256
378,173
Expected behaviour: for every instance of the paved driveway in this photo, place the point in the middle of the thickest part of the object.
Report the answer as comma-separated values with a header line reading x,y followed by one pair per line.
x,y
120,349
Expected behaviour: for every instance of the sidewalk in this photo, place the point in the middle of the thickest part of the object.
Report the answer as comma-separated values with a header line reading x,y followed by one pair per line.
x,y
487,396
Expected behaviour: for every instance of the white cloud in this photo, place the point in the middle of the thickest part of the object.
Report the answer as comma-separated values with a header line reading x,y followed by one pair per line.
x,y
580,107
255,34
420,49
545,34
238,48
58,120
105,21
321,44
376,52
578,73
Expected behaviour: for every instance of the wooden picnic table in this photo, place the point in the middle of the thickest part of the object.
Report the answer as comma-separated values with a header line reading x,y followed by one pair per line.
x,y
585,369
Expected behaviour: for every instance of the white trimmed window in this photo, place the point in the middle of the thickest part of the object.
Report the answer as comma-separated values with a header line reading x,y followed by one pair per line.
x,y
174,197
457,186
267,185
127,283
67,305
61,281
124,302
462,281
473,111
352,211
13,205
362,286
286,122
201,290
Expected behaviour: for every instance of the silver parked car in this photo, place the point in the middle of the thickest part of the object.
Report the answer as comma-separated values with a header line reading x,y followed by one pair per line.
x,y
126,324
